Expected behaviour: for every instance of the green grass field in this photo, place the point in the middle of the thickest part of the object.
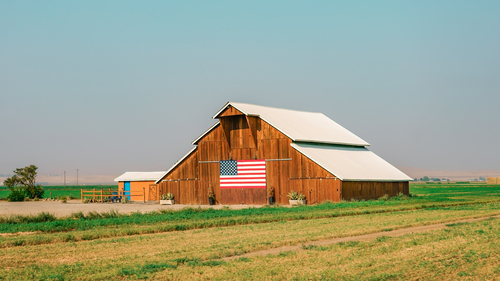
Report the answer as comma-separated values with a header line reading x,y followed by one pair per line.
x,y
57,191
189,243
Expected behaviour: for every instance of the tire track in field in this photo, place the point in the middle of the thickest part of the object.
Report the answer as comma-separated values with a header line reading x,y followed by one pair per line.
x,y
363,238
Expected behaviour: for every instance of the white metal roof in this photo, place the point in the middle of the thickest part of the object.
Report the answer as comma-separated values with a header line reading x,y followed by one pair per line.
x,y
140,176
351,163
300,125
157,180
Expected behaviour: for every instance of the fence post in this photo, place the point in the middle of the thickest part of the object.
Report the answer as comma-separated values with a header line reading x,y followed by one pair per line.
x,y
102,201
93,195
158,194
81,196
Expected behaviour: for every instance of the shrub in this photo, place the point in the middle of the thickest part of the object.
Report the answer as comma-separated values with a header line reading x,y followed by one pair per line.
x,y
384,198
125,200
35,191
15,219
64,199
110,214
93,215
401,196
296,196
16,195
77,215
168,196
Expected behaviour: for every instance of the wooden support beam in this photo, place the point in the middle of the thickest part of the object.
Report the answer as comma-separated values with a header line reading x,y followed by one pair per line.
x,y
227,131
252,124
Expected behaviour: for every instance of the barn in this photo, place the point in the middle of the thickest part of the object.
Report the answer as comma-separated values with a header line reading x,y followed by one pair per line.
x,y
135,185
253,149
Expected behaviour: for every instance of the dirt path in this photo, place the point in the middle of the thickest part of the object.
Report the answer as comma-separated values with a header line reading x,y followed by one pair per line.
x,y
60,209
365,238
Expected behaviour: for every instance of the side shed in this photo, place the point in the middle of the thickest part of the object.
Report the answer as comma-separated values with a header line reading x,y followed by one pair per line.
x,y
135,185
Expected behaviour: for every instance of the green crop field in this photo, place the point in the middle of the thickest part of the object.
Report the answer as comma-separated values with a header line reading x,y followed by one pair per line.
x,y
190,243
57,191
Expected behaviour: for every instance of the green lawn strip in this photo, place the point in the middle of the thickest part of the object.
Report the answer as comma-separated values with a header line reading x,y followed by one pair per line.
x,y
79,221
199,218
128,230
185,263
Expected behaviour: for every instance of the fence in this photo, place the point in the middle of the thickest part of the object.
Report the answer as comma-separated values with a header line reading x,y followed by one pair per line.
x,y
112,195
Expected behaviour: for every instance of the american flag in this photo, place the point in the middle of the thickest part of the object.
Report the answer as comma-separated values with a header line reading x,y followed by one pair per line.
x,y
243,174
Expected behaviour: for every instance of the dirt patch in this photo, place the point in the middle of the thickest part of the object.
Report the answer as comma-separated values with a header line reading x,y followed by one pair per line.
x,y
18,233
60,209
364,238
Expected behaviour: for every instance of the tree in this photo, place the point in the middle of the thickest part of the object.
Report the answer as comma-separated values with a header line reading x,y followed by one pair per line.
x,y
23,182
426,178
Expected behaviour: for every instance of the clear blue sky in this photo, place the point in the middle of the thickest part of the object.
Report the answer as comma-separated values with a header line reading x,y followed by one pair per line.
x,y
115,86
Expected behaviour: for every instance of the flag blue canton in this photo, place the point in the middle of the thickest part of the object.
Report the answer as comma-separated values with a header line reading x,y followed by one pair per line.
x,y
228,168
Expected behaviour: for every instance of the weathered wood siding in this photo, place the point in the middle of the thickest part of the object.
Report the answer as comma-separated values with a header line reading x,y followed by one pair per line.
x,y
372,190
183,182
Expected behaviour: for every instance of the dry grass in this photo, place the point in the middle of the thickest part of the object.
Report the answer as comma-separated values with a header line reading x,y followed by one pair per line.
x,y
465,251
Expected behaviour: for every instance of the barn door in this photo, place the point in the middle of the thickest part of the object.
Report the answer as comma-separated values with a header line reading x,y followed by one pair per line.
x,y
153,192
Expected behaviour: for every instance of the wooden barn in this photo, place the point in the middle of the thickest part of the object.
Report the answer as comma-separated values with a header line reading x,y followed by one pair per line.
x,y
252,149
135,185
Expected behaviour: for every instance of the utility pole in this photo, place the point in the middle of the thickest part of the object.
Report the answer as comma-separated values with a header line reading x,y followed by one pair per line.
x,y
76,177
64,179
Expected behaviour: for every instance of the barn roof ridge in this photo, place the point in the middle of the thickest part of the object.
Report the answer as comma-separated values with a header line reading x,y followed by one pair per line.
x,y
244,103
298,125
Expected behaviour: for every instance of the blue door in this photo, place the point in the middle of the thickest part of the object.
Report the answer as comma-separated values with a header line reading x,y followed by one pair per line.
x,y
126,189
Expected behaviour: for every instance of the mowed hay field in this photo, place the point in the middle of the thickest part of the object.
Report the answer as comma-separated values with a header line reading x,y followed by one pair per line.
x,y
191,243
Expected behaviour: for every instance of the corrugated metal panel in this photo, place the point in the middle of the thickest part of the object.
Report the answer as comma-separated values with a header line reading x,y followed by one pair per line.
x,y
351,163
300,125
140,176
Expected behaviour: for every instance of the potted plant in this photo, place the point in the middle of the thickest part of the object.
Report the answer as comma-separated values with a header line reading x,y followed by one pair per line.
x,y
296,198
270,195
167,199
211,196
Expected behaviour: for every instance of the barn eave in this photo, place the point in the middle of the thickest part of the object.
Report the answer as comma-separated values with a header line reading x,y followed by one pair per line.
x,y
195,142
176,164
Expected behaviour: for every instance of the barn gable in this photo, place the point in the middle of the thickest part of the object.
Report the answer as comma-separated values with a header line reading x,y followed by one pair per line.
x,y
297,125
